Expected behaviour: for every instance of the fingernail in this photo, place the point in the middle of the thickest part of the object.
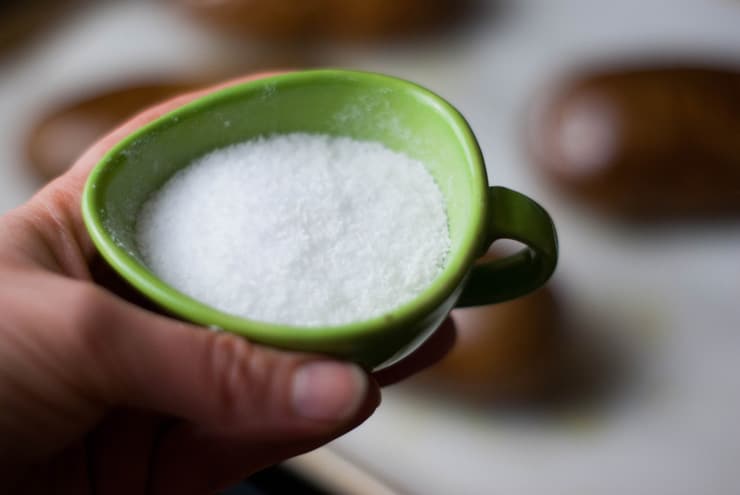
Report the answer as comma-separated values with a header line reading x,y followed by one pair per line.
x,y
328,391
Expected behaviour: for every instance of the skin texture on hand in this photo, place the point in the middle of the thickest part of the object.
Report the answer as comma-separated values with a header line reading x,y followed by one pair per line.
x,y
100,395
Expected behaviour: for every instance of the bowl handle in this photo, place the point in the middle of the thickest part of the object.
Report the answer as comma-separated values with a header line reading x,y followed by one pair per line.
x,y
512,215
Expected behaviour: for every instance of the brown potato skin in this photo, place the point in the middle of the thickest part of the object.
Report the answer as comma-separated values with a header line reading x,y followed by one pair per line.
x,y
645,142
58,138
20,21
295,20
504,352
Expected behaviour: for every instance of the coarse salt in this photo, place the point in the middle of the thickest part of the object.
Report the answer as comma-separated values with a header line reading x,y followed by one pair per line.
x,y
299,229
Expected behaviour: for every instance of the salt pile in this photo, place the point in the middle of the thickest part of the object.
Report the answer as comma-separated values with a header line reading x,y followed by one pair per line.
x,y
298,229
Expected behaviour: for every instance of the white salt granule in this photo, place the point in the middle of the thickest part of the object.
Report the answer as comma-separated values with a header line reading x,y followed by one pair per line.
x,y
298,229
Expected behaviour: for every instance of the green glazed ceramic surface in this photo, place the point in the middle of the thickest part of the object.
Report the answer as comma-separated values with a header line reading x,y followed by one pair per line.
x,y
403,116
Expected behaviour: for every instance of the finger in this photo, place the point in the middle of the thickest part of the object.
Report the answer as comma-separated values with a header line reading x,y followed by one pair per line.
x,y
67,474
218,380
192,460
120,452
429,353
211,464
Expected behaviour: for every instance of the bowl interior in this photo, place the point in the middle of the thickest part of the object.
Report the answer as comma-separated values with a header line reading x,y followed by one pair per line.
x,y
365,106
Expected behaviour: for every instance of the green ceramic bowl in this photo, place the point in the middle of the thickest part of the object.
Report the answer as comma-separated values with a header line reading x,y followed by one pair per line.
x,y
403,116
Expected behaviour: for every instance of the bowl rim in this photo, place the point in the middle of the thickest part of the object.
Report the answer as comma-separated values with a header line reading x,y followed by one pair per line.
x,y
181,305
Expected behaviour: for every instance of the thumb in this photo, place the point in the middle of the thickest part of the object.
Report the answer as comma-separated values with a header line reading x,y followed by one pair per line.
x,y
221,381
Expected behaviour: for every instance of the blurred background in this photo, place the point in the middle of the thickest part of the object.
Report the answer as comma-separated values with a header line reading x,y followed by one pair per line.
x,y
621,118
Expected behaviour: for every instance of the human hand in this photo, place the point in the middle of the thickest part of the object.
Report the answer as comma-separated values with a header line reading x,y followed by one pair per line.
x,y
99,395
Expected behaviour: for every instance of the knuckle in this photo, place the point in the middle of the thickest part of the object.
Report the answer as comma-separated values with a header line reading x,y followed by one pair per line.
x,y
237,383
58,196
